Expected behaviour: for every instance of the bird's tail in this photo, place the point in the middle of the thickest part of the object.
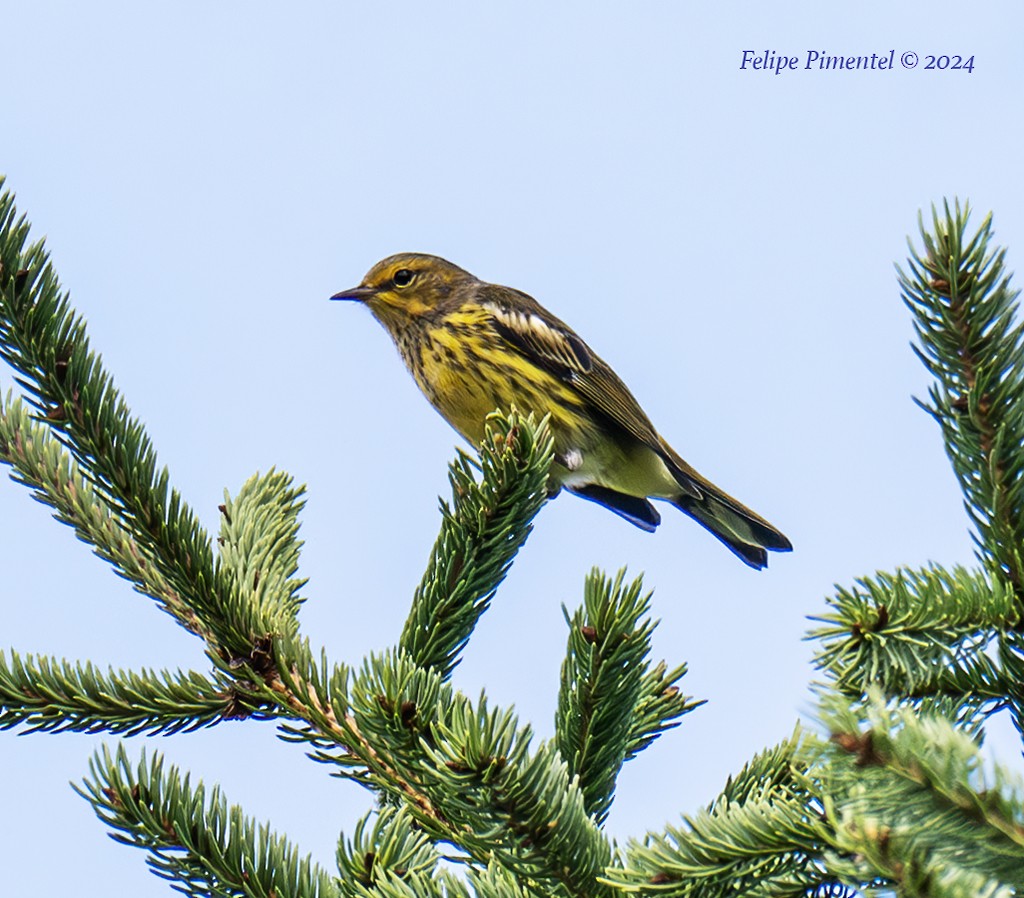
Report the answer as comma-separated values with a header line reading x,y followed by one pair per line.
x,y
746,533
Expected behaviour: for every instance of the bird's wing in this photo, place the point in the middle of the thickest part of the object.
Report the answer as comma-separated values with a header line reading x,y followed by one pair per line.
x,y
553,346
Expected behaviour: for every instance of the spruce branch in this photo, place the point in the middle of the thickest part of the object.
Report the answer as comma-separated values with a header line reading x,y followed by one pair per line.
x,y
199,843
964,311
885,771
759,838
917,634
769,770
491,795
389,885
464,772
44,340
320,708
320,705
47,695
659,706
386,845
965,318
496,881
611,705
259,553
481,532
41,463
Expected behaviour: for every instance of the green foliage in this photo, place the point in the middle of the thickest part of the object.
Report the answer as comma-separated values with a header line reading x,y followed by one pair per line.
x,y
473,773
391,847
259,553
965,316
756,838
611,704
919,660
42,463
917,633
481,532
197,842
894,798
45,342
964,313
46,695
885,771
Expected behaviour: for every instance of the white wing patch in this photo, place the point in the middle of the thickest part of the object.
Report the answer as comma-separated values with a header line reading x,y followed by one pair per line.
x,y
531,329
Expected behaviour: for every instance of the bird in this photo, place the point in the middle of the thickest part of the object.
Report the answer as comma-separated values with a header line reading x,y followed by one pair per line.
x,y
474,347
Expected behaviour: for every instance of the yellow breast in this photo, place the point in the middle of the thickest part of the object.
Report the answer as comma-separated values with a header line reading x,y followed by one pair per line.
x,y
467,371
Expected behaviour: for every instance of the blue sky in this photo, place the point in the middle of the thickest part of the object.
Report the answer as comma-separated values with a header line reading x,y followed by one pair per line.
x,y
207,175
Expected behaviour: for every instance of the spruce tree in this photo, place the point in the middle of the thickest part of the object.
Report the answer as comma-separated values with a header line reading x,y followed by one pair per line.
x,y
886,792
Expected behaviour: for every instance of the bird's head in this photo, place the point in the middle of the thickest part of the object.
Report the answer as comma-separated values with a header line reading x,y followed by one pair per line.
x,y
407,286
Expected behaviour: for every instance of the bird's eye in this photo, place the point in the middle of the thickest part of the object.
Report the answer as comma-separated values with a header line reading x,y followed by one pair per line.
x,y
402,278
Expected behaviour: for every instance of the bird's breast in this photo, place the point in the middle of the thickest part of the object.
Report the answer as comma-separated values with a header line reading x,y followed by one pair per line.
x,y
467,371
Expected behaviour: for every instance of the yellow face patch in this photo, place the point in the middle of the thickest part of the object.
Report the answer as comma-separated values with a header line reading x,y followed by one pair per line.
x,y
404,304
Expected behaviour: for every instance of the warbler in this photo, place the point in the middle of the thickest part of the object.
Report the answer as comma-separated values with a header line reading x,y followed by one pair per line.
x,y
475,347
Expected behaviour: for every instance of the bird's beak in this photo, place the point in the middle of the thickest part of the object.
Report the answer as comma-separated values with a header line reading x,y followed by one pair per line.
x,y
359,294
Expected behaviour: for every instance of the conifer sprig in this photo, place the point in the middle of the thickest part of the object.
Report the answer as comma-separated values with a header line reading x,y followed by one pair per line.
x,y
259,555
481,532
389,856
971,339
194,839
611,704
386,842
465,772
886,770
488,792
47,695
44,465
964,316
659,706
917,634
759,838
44,340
